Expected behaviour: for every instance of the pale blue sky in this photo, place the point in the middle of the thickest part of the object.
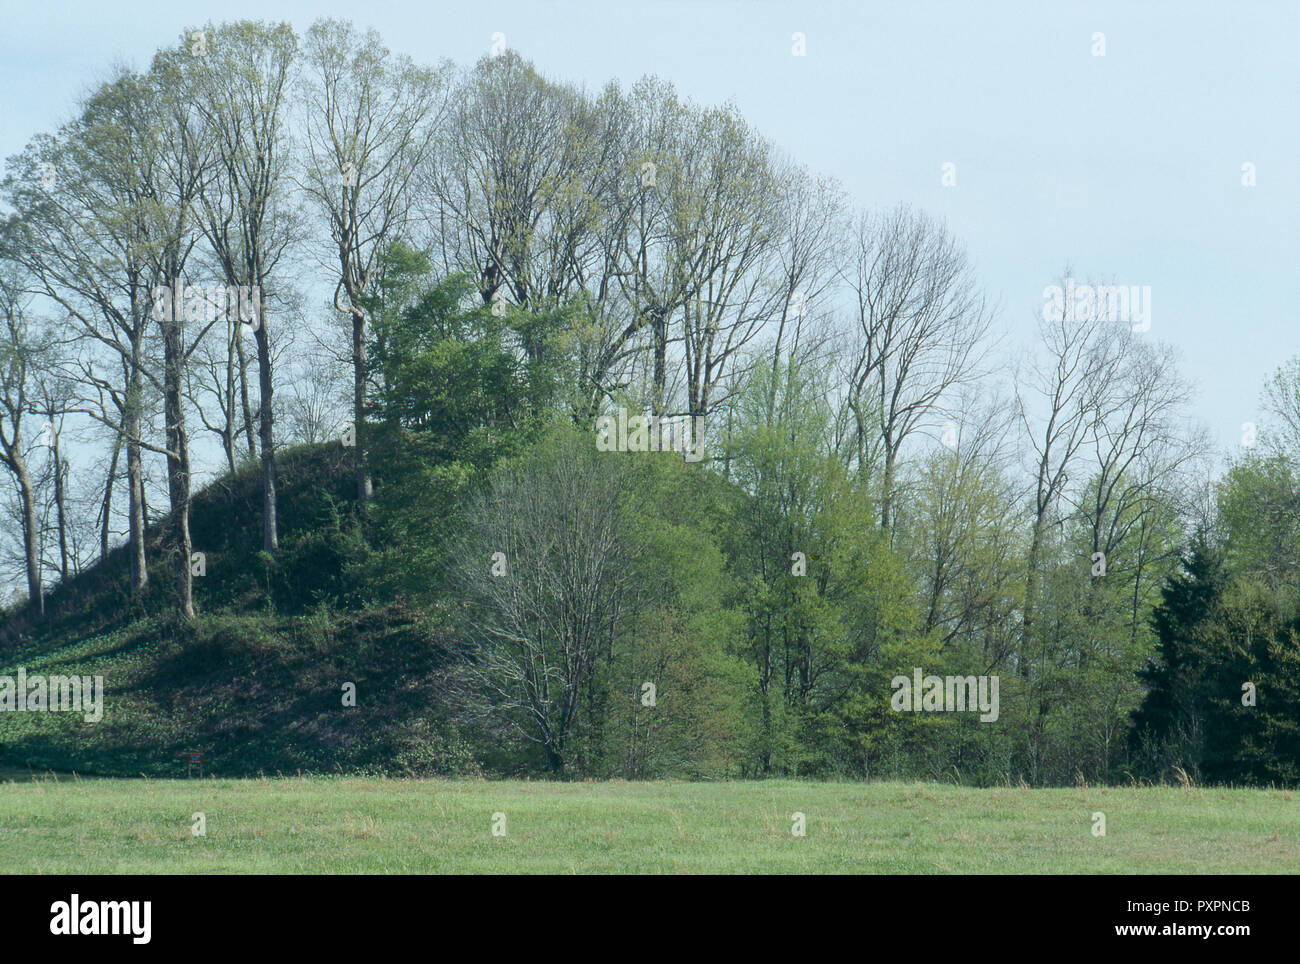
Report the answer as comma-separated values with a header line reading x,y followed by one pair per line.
x,y
1128,165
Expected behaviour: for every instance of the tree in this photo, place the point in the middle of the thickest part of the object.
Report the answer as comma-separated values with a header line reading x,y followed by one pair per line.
x,y
1282,401
522,195
1057,401
82,206
920,329
548,568
963,535
1259,515
827,603
243,87
675,695
22,356
699,266
1140,444
453,394
723,226
181,150
50,406
1169,729
370,117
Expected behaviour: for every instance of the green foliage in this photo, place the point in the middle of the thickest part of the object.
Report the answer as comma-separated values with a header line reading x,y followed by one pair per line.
x,y
682,640
1259,516
1223,699
457,388
1169,728
756,593
1253,642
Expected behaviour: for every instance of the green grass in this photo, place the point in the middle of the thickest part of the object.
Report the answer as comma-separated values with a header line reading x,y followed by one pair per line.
x,y
369,825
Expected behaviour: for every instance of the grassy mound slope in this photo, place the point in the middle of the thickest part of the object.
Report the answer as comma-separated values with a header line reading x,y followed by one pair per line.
x,y
258,683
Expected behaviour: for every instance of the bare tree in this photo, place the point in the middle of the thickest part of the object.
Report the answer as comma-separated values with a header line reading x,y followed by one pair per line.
x,y
1282,400
548,569
21,359
370,118
652,284
698,259
314,408
515,186
1139,438
179,141
1141,446
808,219
216,376
50,406
81,209
522,196
966,551
1107,407
243,81
724,230
674,230
1057,399
921,328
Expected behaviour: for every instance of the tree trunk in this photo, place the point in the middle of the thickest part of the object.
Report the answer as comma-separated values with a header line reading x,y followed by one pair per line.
x,y
270,536
228,431
178,466
104,527
358,406
31,535
1027,610
135,488
243,393
60,504
555,759
659,332
887,490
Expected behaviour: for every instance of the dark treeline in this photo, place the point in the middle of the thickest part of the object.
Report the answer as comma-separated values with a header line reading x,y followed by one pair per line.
x,y
480,281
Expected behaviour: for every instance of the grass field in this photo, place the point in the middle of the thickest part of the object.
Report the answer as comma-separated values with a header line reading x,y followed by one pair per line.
x,y
354,825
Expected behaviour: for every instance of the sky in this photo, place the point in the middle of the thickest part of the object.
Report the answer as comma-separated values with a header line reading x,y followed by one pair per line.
x,y
1127,166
